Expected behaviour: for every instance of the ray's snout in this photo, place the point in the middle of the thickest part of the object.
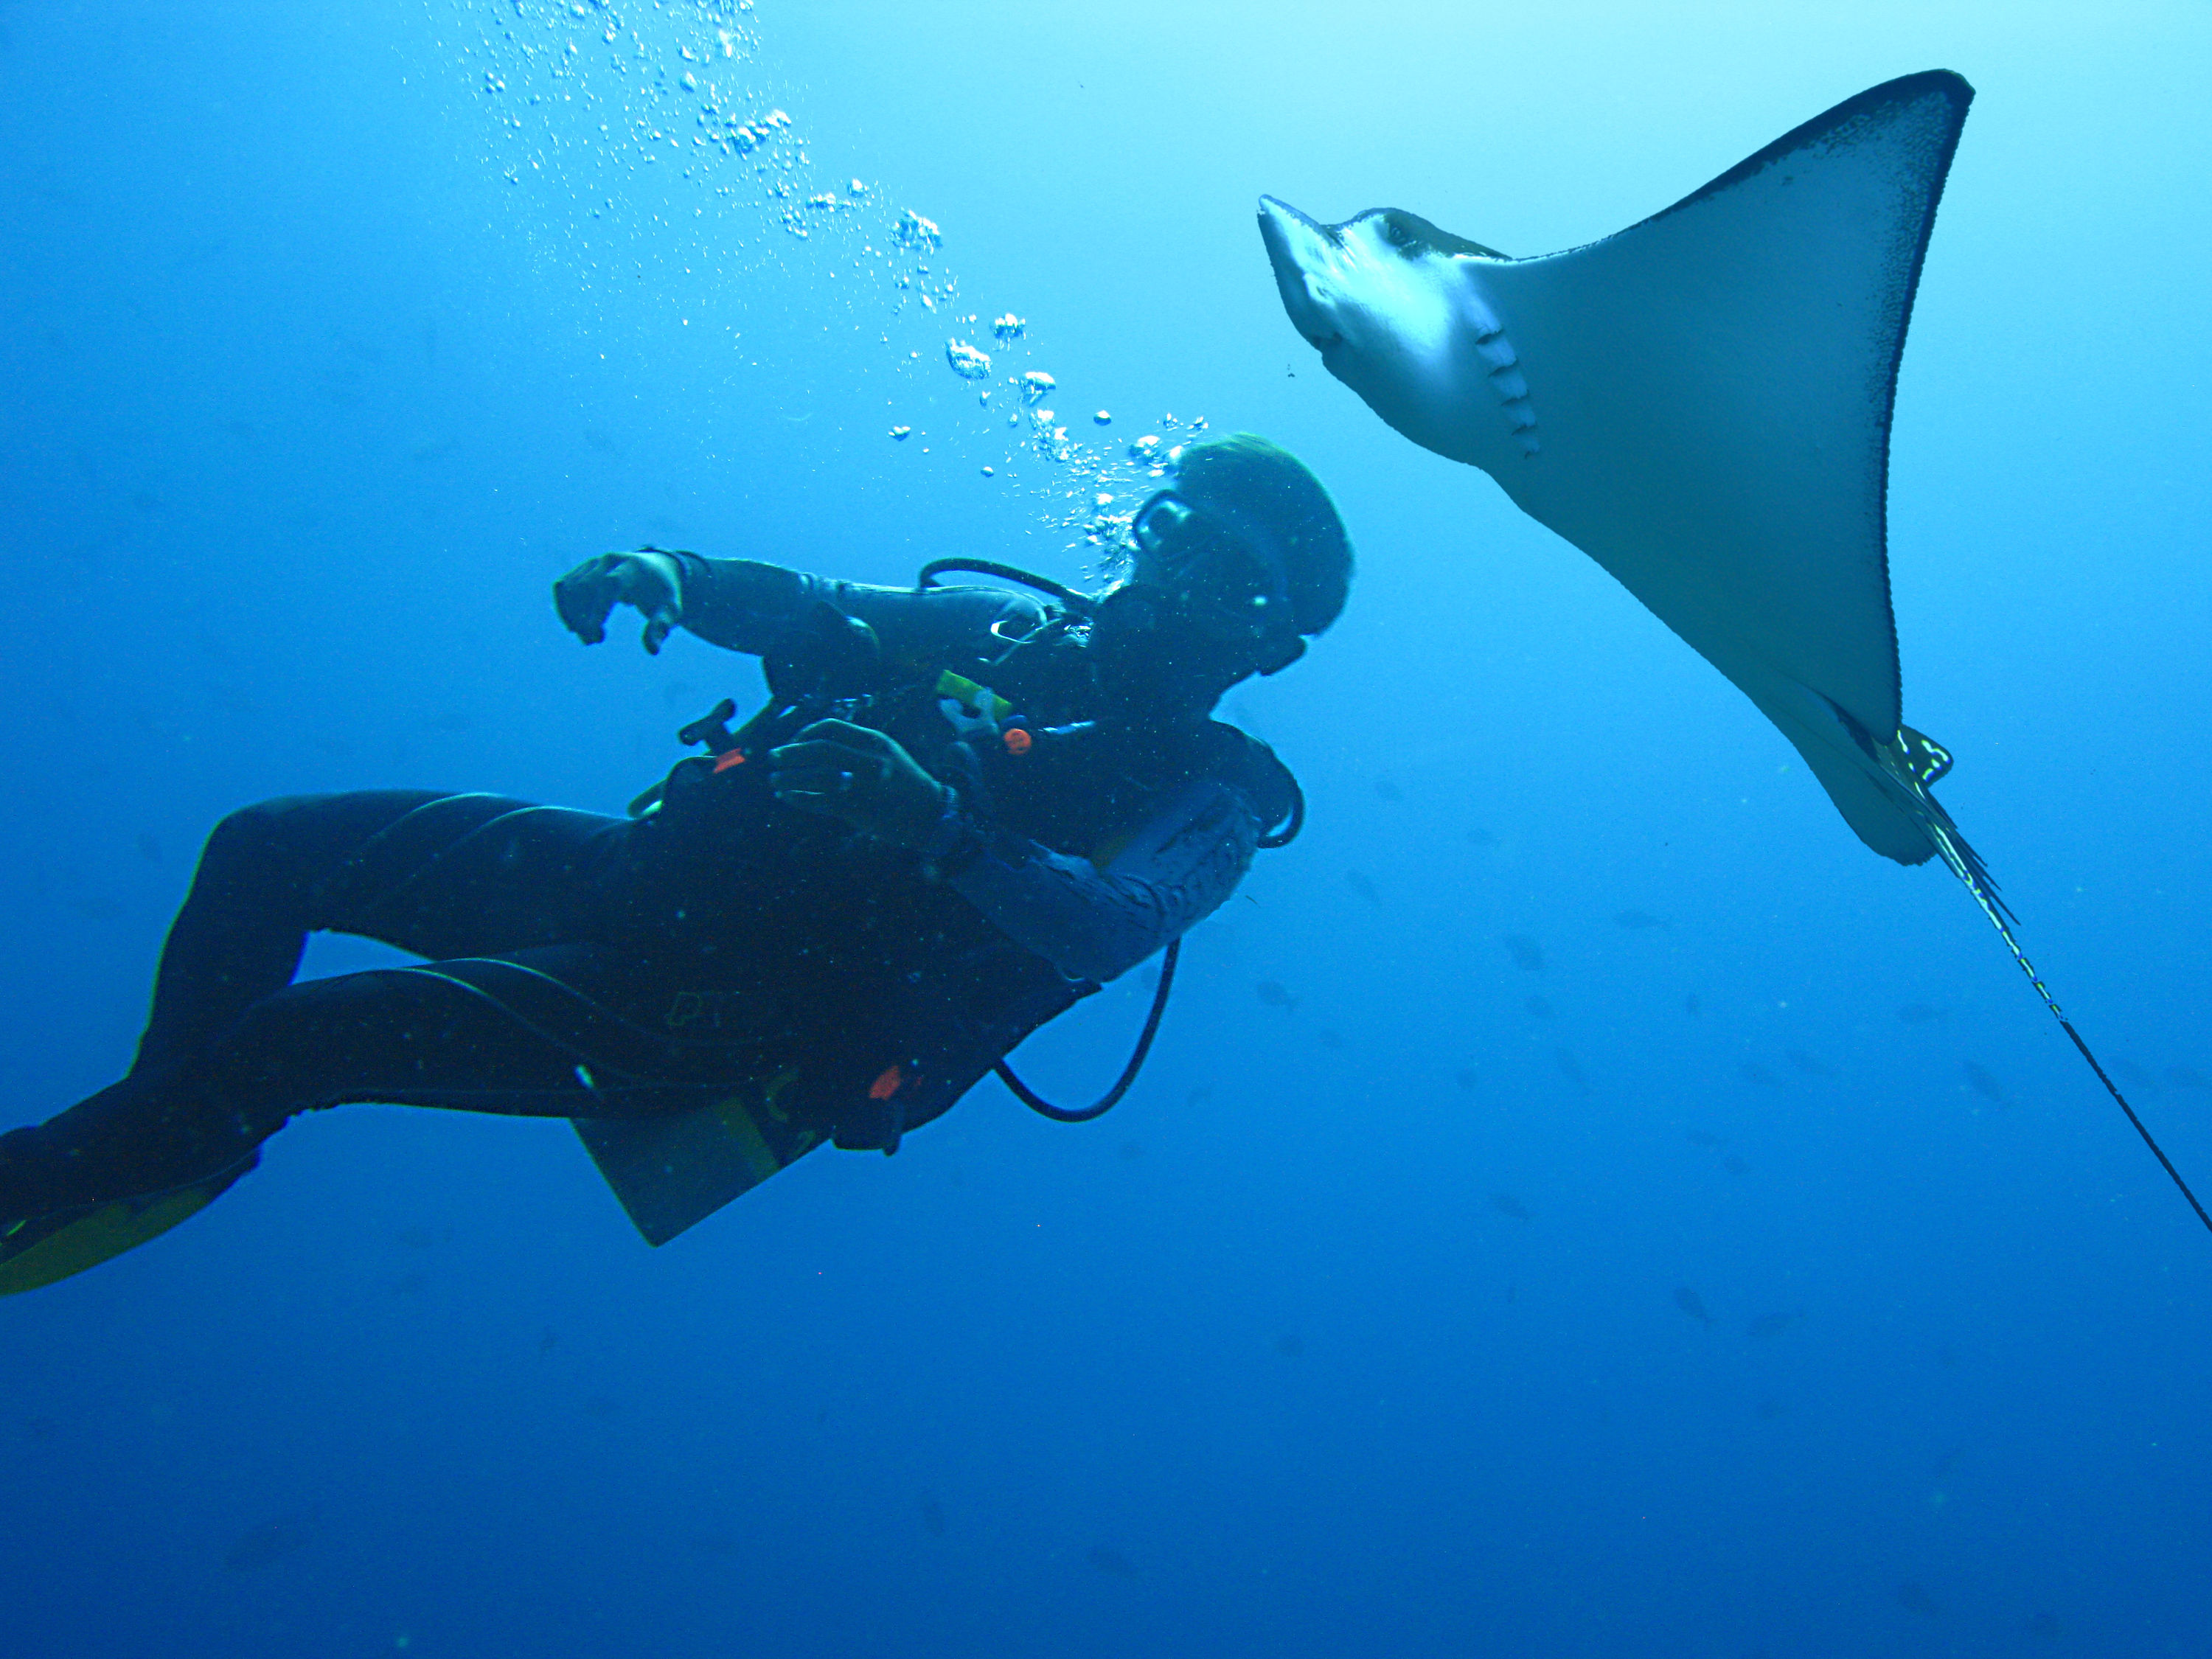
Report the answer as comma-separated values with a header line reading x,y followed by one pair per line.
x,y
1296,246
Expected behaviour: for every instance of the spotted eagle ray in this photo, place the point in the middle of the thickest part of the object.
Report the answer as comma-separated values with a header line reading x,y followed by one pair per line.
x,y
1701,404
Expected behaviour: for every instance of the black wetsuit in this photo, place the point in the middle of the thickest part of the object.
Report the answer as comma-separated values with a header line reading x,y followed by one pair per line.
x,y
588,967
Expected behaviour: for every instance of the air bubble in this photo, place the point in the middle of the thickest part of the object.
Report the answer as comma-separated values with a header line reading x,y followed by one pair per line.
x,y
966,362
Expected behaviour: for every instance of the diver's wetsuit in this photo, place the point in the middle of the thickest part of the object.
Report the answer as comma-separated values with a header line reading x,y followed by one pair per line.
x,y
590,967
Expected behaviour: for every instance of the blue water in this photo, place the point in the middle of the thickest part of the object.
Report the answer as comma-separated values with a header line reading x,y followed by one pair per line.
x,y
332,334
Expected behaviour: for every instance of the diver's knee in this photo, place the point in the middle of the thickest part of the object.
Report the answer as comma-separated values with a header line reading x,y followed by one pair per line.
x,y
253,835
249,831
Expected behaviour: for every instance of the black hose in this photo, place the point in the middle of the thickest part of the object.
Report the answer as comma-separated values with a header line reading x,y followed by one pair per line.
x,y
1112,1098
1005,573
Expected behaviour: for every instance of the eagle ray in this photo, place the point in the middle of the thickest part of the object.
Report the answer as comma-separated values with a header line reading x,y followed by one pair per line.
x,y
1702,403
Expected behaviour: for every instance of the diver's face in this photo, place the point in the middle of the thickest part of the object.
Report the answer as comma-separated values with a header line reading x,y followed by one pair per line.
x,y
1208,573
1200,611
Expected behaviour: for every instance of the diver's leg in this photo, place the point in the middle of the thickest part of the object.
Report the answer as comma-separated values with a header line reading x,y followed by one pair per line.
x,y
252,903
437,874
231,1049
522,1035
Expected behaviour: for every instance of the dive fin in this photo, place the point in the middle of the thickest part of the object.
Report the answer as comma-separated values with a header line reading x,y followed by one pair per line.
x,y
42,1252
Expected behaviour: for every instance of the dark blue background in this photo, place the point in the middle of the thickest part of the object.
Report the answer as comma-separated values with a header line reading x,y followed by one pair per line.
x,y
332,334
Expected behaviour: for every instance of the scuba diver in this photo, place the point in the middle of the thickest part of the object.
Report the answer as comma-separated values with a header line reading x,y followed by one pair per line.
x,y
961,810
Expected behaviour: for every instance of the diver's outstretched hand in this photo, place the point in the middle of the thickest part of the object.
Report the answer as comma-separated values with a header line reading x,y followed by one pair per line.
x,y
857,774
648,579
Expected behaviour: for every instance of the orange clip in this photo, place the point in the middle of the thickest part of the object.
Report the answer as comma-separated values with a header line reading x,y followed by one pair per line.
x,y
728,758
1017,741
887,1084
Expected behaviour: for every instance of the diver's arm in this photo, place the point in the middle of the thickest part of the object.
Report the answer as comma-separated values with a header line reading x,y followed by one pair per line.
x,y
765,609
1097,924
742,605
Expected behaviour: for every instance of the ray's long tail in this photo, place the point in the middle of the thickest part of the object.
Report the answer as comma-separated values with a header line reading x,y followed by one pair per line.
x,y
1917,760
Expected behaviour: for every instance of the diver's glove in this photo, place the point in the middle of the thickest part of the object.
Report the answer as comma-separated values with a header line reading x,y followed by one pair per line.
x,y
648,579
859,774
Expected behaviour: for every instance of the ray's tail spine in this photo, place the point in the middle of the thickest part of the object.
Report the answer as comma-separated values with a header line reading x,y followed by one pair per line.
x,y
1968,865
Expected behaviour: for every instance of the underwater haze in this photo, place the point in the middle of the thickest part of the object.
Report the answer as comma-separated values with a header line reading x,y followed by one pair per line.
x,y
1582,1203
